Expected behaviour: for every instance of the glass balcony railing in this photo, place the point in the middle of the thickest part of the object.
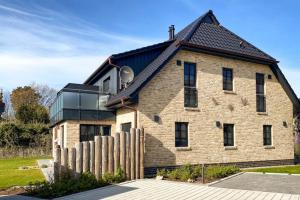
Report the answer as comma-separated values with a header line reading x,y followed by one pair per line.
x,y
80,102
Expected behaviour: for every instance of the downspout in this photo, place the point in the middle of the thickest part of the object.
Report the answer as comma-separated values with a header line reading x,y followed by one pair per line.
x,y
131,108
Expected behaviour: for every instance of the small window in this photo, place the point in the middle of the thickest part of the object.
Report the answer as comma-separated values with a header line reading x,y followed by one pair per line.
x,y
267,135
190,90
126,127
227,79
228,134
88,132
260,93
106,83
181,134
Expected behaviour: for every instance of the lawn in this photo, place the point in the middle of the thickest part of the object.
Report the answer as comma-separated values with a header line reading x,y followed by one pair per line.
x,y
10,175
284,169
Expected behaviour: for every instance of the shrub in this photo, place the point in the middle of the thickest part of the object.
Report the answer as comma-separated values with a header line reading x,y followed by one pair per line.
x,y
187,172
68,184
14,134
214,172
162,172
30,113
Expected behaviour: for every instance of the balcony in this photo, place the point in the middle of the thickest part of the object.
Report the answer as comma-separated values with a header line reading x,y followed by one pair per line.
x,y
80,102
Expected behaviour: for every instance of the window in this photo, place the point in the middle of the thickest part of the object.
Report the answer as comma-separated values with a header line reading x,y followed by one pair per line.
x,y
181,134
260,93
228,135
190,90
227,79
267,135
70,100
106,85
89,101
126,127
88,132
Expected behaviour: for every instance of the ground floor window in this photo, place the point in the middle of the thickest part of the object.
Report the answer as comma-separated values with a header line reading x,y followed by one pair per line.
x,y
228,134
181,134
88,132
267,134
126,127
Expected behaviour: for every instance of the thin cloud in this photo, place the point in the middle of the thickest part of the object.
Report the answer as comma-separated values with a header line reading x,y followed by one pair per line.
x,y
54,52
21,12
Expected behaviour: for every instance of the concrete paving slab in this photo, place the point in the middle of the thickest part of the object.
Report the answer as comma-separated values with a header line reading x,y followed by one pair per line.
x,y
280,183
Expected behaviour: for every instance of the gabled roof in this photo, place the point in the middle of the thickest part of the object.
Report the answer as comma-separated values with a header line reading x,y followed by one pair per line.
x,y
205,34
137,59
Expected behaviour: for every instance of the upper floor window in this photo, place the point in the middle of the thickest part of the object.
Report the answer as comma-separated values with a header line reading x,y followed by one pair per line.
x,y
228,134
106,83
181,134
267,134
190,90
260,93
227,79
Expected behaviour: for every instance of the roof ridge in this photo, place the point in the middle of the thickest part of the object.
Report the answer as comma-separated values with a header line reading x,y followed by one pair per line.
x,y
235,35
198,21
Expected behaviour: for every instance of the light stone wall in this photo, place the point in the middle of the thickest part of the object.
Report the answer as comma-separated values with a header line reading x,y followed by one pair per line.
x,y
164,96
124,115
72,130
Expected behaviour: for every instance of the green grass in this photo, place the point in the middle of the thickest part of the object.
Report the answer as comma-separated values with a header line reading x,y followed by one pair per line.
x,y
285,169
10,175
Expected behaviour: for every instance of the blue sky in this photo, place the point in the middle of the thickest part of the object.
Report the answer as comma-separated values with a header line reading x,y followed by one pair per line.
x,y
59,41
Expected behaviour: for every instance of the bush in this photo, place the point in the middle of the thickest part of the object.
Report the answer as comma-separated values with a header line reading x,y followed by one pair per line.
x,y
215,172
68,184
14,134
187,172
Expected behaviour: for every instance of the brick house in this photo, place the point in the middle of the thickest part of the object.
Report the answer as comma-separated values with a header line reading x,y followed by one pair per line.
x,y
204,96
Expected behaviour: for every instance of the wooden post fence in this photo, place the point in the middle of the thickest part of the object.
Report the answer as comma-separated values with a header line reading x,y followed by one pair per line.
x,y
103,155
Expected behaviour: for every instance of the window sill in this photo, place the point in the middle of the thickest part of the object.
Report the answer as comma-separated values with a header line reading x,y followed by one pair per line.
x,y
269,147
262,113
229,92
183,149
231,148
192,109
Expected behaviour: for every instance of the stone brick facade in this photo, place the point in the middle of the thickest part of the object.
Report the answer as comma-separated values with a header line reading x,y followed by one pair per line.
x,y
164,96
72,131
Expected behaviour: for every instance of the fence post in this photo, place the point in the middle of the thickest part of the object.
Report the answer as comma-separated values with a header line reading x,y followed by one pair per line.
x,y
123,151
117,151
64,161
57,163
132,152
142,146
128,156
137,154
104,154
86,155
92,157
110,154
78,159
72,160
98,157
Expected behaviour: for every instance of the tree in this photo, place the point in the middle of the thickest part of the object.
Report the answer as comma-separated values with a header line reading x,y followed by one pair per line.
x,y
32,113
8,113
24,96
47,94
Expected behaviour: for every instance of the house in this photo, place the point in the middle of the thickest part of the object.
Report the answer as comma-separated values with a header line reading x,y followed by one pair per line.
x,y
204,96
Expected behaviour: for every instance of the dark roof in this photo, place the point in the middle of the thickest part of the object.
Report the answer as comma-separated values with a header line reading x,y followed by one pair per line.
x,y
137,59
207,35
80,87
